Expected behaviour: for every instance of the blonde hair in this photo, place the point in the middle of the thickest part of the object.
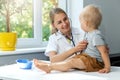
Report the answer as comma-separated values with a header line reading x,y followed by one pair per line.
x,y
52,14
92,14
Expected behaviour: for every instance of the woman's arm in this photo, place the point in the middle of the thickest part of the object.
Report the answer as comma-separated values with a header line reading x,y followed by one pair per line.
x,y
54,57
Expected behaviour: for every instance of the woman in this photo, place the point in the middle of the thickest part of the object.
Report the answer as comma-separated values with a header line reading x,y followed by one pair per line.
x,y
59,46
62,38
63,44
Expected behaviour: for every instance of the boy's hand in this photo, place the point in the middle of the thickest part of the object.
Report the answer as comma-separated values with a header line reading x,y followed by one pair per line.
x,y
104,70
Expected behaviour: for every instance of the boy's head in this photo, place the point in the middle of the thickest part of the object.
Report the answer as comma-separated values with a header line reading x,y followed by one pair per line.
x,y
91,16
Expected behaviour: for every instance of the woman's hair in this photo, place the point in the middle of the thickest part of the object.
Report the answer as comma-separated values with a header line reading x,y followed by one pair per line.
x,y
52,14
92,14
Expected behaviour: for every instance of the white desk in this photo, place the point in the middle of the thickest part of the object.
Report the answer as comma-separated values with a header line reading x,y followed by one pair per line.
x,y
12,71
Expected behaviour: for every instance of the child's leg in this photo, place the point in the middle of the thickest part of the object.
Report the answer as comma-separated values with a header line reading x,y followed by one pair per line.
x,y
60,66
42,65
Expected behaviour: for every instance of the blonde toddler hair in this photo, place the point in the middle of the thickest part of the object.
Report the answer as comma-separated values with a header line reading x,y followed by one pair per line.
x,y
92,14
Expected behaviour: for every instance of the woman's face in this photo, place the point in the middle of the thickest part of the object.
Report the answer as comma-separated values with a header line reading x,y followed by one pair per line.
x,y
61,22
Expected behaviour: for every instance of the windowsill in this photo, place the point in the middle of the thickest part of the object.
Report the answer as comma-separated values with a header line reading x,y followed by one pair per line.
x,y
22,51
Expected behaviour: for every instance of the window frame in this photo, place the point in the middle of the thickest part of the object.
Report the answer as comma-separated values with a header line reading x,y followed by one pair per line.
x,y
36,41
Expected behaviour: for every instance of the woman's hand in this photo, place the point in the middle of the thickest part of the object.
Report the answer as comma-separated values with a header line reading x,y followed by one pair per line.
x,y
81,46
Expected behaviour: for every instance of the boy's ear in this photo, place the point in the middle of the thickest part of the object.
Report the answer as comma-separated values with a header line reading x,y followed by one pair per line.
x,y
87,23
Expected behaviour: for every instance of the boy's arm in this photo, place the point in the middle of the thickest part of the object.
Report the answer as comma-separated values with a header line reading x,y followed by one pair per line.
x,y
105,57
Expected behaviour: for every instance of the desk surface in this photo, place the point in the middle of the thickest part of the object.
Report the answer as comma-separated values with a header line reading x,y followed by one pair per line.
x,y
13,71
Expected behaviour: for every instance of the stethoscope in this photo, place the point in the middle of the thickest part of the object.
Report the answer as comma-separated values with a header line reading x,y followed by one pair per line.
x,y
72,40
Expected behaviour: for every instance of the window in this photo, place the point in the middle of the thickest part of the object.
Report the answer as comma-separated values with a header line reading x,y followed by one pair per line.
x,y
29,18
18,15
36,40
41,23
46,27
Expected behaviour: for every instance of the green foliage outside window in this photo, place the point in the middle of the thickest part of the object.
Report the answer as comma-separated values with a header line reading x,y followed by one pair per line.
x,y
19,14
22,20
46,28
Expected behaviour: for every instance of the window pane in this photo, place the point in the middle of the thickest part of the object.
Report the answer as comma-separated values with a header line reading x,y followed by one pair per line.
x,y
27,18
19,15
46,27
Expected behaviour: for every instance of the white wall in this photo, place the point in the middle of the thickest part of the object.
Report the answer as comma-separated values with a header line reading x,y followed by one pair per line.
x,y
75,7
72,7
111,20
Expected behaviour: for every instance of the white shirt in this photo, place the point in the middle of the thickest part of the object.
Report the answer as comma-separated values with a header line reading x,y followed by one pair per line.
x,y
58,42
